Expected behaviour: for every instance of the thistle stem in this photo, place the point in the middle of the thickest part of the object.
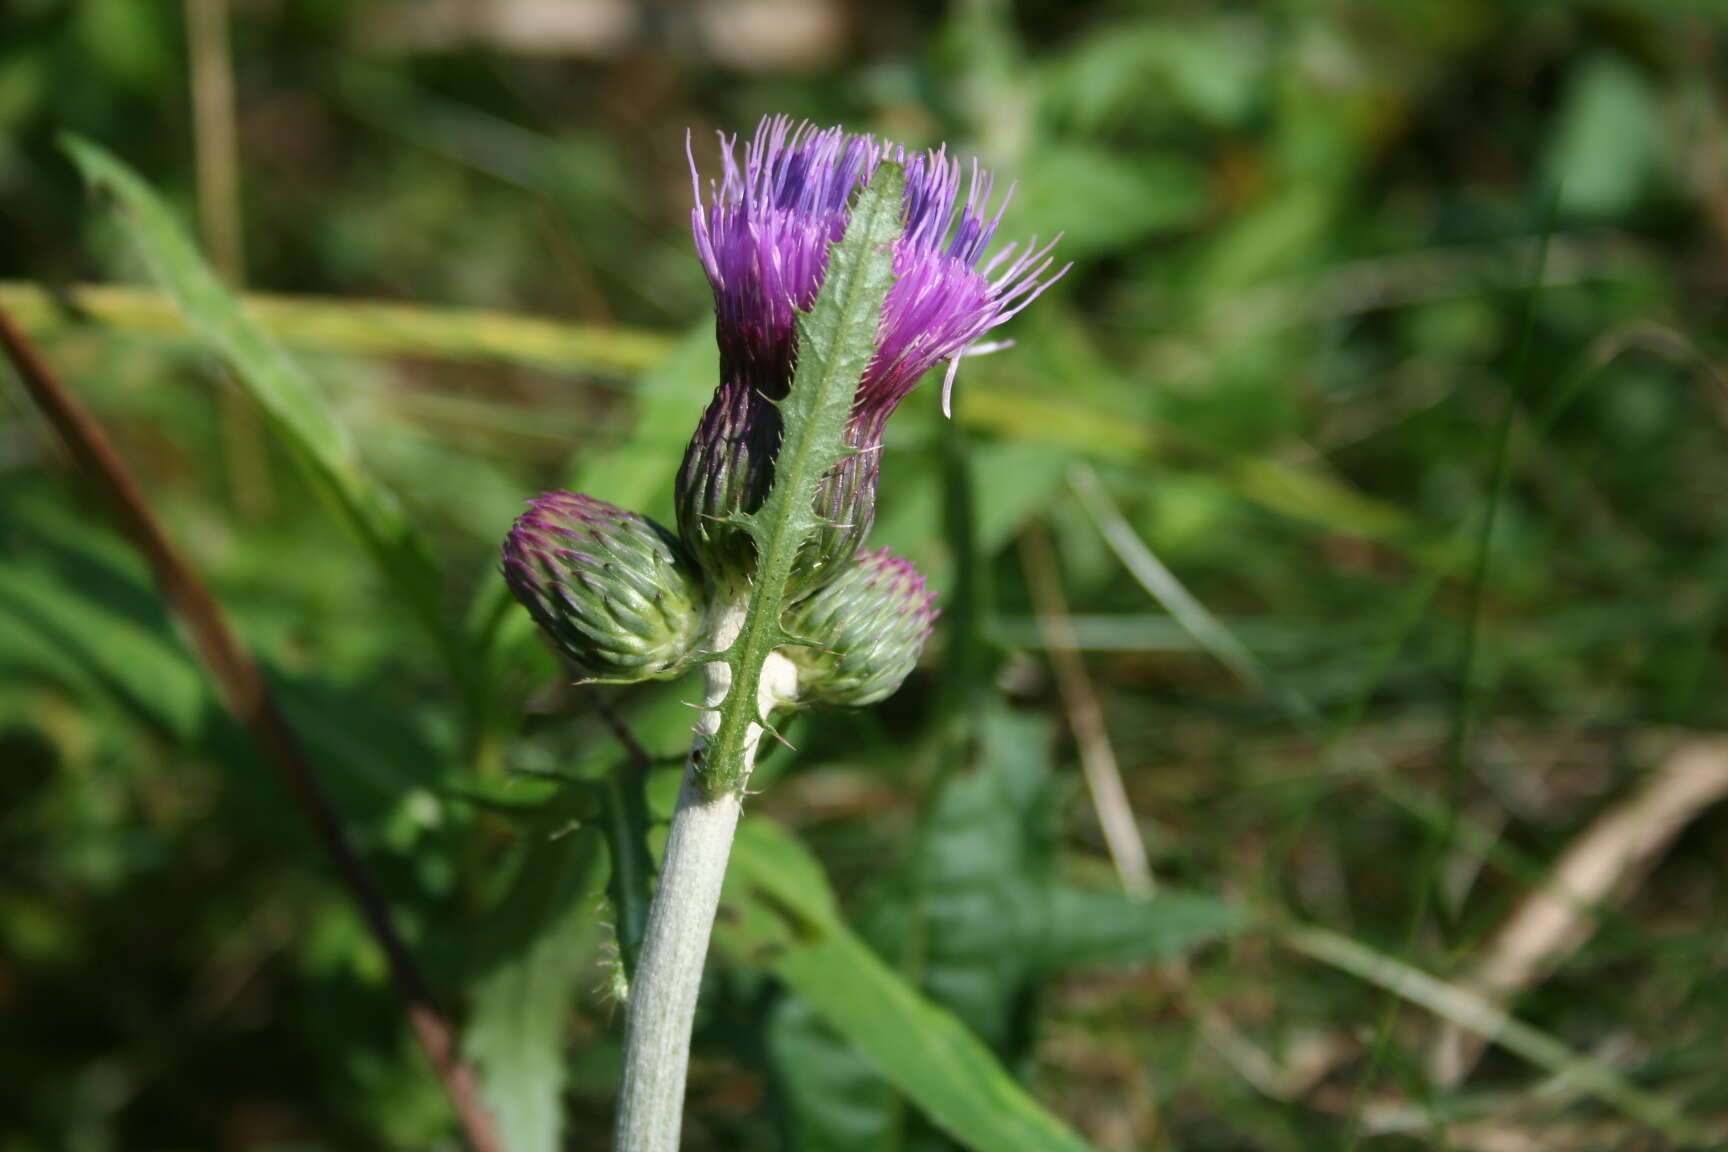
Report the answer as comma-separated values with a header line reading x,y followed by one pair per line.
x,y
668,974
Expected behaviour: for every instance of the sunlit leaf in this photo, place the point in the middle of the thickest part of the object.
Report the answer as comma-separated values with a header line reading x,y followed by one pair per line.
x,y
284,391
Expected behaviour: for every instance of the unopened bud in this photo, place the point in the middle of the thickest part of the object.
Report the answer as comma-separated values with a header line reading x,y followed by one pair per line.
x,y
611,589
864,631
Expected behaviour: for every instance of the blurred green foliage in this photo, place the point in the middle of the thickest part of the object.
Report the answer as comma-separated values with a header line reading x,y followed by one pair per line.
x,y
1305,237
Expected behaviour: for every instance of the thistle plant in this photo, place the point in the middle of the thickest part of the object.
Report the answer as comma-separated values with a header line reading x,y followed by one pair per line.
x,y
844,268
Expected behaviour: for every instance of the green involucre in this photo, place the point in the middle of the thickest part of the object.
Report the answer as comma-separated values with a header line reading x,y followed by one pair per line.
x,y
863,632
612,589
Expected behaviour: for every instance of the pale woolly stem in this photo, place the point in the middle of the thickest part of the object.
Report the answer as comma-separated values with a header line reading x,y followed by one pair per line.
x,y
662,1006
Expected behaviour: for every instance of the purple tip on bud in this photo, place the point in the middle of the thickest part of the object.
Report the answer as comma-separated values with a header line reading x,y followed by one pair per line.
x,y
611,589
863,632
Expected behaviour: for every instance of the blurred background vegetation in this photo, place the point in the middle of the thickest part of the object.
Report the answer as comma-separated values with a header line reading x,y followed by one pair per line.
x,y
1357,502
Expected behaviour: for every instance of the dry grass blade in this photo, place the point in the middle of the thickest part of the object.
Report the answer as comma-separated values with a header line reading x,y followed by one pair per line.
x,y
217,153
1611,856
247,694
1481,1017
1085,716
1162,584
355,326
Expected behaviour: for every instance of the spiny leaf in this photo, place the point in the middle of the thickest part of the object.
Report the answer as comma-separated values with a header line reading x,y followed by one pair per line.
x,y
836,340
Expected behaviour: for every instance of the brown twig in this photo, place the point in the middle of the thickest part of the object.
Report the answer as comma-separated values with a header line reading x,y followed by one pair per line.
x,y
242,685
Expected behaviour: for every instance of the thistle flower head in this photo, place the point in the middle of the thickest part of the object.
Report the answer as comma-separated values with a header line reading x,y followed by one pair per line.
x,y
610,588
864,630
763,232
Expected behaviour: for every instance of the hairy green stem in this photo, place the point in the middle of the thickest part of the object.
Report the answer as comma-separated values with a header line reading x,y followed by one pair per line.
x,y
668,973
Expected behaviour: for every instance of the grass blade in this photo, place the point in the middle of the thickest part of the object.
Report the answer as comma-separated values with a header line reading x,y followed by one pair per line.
x,y
248,696
1474,1014
281,388
1161,583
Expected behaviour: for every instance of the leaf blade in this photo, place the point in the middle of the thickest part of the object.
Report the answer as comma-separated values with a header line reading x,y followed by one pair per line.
x,y
836,340
516,1031
779,913
287,395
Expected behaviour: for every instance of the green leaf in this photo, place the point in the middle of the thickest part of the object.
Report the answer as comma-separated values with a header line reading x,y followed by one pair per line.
x,y
1102,202
778,913
286,394
984,892
981,898
975,885
638,471
836,1100
1084,927
52,627
836,340
1608,143
534,940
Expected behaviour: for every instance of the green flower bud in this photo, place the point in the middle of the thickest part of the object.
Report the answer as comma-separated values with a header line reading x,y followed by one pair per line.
x,y
868,627
611,589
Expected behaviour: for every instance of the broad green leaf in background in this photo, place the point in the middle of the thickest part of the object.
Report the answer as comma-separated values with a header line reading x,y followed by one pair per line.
x,y
993,913
778,913
1608,144
290,398
1015,480
638,471
835,1099
965,913
533,964
1086,928
1101,200
1213,68
66,629
977,916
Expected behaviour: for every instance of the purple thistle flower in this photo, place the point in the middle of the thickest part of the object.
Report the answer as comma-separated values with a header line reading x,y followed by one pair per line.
x,y
763,234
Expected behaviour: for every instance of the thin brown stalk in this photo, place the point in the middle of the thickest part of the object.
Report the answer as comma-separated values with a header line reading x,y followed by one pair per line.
x,y
247,694
1115,814
215,135
216,138
1085,715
